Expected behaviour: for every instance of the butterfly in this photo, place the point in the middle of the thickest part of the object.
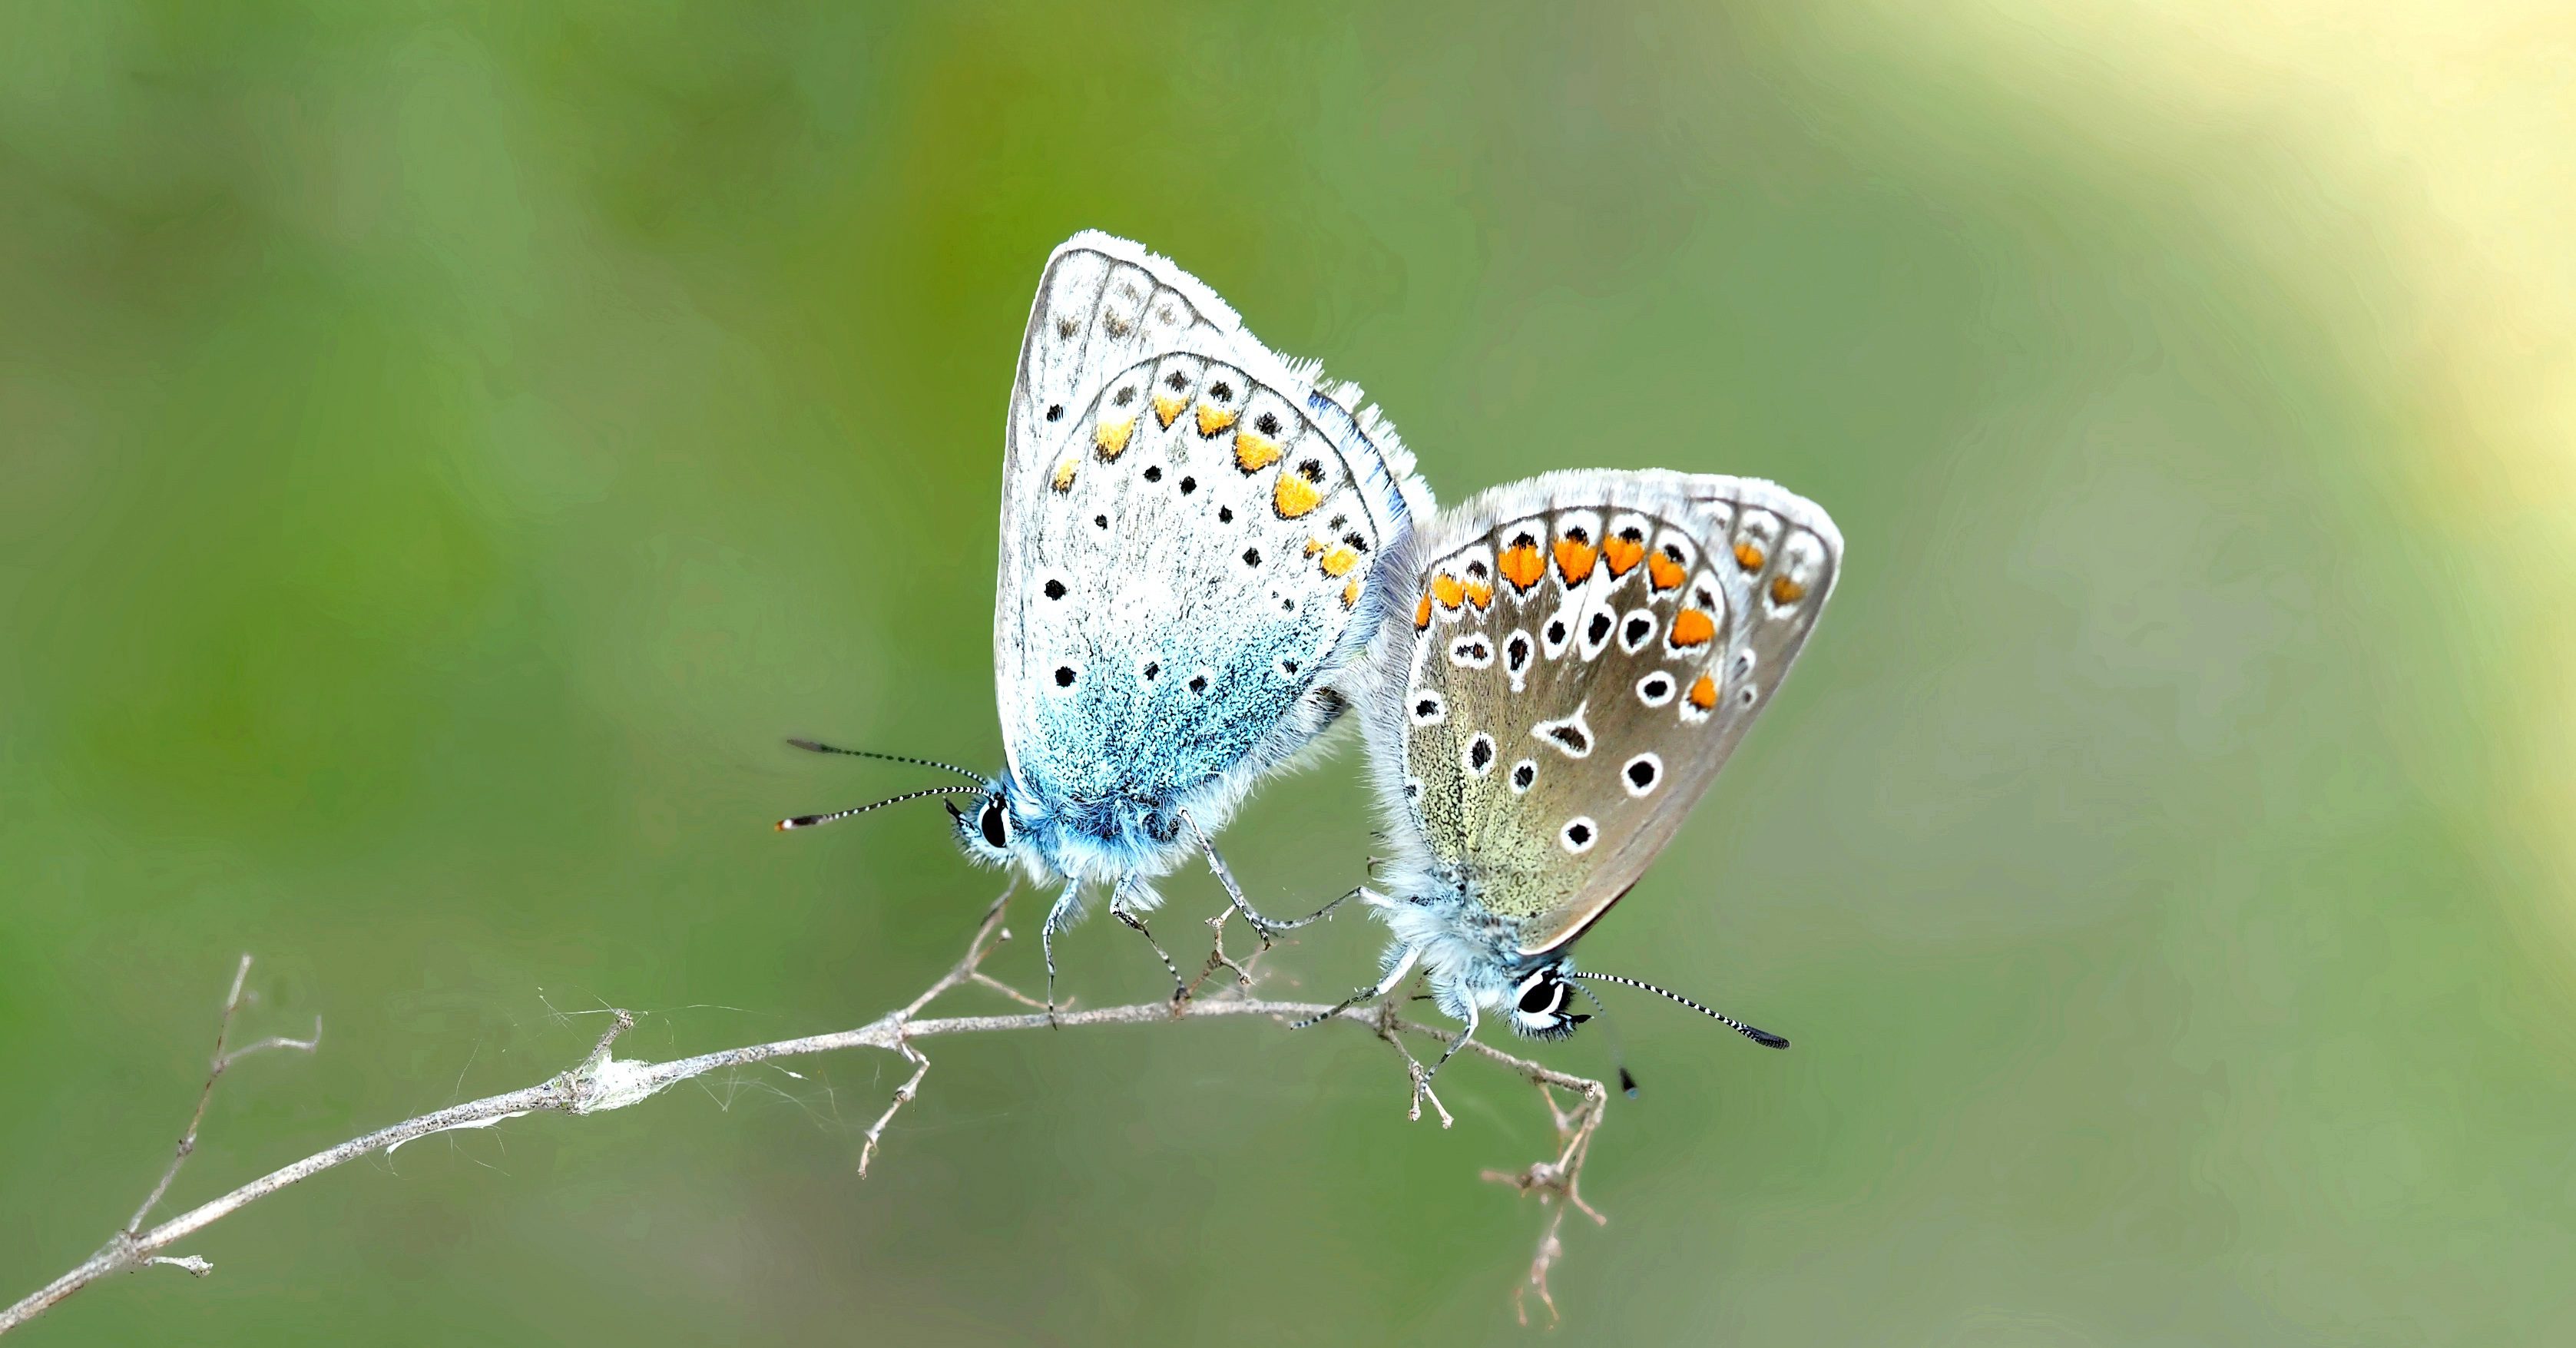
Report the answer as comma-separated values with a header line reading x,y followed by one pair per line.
x,y
1192,528
1580,653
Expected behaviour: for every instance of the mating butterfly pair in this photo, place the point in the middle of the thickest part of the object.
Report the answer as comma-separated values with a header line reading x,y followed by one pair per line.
x,y
1209,552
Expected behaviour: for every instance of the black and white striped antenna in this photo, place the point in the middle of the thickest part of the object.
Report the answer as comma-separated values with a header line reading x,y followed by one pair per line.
x,y
1763,1037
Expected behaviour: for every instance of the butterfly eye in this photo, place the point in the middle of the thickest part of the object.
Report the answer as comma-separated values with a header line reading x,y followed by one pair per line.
x,y
1544,997
995,823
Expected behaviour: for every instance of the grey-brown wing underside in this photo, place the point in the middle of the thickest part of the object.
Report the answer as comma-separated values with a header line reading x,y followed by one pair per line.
x,y
1588,648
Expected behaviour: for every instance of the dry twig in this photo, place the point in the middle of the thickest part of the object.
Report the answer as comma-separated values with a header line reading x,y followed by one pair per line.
x,y
1557,1182
603,1081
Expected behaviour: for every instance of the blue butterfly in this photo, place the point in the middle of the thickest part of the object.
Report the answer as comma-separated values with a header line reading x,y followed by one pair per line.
x,y
1193,528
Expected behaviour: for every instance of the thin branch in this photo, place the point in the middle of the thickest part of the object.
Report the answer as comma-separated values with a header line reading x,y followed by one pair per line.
x,y
602,1082
1558,1180
215,1065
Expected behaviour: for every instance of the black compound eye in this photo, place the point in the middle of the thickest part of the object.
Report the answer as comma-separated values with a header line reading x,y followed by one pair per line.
x,y
995,824
1543,998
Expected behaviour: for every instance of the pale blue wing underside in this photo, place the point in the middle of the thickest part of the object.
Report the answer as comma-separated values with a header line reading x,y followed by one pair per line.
x,y
1192,532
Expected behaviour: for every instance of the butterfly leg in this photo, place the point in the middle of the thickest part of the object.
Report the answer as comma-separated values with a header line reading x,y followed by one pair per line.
x,y
1454,1045
1394,978
1056,917
1262,927
1118,909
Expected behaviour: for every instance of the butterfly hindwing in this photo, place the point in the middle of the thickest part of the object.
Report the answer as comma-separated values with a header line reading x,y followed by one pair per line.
x,y
1187,550
1585,649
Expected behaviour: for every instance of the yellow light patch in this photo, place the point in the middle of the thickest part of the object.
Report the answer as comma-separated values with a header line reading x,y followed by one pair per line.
x,y
1574,560
1422,614
1166,408
1339,561
1748,556
1351,594
1663,572
1693,628
1294,496
1063,480
1446,589
1703,694
1786,591
1252,453
1213,419
1622,555
1522,567
1479,593
1112,437
1313,546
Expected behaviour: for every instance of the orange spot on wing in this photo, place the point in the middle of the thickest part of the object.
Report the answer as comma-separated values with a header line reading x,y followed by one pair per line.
x,y
1786,591
1703,694
1479,594
1166,408
1294,496
1574,560
1748,556
1693,628
1252,453
1339,561
1522,567
1063,479
1422,613
1663,572
1213,419
1351,594
1622,554
1446,589
1112,437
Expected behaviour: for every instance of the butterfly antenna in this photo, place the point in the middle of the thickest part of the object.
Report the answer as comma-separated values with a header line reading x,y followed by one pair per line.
x,y
810,820
813,747
1763,1037
1618,1047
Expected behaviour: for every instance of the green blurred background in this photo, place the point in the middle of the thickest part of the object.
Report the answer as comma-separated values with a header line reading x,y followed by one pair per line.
x,y
444,449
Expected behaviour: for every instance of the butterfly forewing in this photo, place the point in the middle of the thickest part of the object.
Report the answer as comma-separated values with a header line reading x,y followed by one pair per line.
x,y
1186,551
1585,651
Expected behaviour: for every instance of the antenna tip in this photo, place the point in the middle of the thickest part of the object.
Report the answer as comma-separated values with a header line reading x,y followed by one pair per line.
x,y
1627,1083
786,824
1769,1040
808,746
